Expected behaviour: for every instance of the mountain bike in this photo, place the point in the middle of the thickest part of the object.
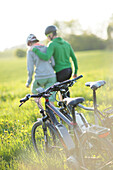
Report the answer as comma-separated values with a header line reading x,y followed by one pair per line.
x,y
89,146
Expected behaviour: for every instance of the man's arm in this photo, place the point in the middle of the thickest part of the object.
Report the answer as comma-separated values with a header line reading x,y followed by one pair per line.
x,y
72,55
44,56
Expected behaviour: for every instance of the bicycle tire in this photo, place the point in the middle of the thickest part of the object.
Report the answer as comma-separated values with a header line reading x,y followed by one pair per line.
x,y
97,153
38,138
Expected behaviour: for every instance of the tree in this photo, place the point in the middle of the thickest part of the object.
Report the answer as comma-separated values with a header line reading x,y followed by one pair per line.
x,y
20,53
73,27
68,27
110,34
110,28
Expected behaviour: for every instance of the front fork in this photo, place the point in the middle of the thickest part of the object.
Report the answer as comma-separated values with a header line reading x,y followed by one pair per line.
x,y
45,136
44,127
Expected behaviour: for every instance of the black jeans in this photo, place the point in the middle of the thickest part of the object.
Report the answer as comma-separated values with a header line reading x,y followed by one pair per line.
x,y
63,75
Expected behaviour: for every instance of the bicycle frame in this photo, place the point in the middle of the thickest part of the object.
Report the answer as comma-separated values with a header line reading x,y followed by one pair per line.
x,y
97,112
60,128
84,122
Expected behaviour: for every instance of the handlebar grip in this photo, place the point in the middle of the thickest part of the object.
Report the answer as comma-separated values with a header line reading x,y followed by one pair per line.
x,y
25,98
76,78
69,81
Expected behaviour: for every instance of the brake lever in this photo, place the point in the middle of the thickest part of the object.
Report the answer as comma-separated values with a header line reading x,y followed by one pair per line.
x,y
22,101
72,83
21,104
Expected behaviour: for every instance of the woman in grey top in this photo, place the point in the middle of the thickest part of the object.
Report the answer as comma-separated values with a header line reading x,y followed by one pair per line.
x,y
43,71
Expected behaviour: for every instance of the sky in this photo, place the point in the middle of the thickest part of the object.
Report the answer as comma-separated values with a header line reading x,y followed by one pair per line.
x,y
19,18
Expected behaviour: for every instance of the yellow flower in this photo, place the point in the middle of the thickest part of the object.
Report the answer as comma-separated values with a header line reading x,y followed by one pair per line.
x,y
11,134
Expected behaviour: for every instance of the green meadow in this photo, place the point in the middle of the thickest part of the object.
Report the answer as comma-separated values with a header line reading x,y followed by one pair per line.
x,y
16,149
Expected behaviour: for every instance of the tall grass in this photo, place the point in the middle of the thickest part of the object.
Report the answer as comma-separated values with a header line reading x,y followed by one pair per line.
x,y
16,149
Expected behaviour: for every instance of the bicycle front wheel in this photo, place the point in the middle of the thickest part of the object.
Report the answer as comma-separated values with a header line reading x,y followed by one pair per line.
x,y
97,153
50,143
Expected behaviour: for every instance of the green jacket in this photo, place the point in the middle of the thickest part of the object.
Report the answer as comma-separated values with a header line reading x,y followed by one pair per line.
x,y
61,51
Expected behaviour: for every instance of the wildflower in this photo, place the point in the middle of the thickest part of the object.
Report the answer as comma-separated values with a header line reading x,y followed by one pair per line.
x,y
11,134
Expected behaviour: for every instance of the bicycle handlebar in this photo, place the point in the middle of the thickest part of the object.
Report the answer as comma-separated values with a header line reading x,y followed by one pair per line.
x,y
55,87
59,85
72,80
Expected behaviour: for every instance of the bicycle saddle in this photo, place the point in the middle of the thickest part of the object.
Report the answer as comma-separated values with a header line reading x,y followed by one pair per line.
x,y
96,84
74,101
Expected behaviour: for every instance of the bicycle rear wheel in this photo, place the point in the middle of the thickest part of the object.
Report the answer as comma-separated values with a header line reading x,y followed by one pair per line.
x,y
42,145
97,153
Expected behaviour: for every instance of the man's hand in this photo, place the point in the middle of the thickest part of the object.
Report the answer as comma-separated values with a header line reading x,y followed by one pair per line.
x,y
75,75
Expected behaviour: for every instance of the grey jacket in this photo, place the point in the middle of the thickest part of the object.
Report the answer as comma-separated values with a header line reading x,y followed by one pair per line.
x,y
43,69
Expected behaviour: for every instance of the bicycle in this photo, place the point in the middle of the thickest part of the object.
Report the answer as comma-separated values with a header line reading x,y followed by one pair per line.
x,y
66,109
105,116
91,147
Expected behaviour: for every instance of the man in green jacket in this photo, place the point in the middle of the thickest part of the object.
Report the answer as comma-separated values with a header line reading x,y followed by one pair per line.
x,y
61,51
